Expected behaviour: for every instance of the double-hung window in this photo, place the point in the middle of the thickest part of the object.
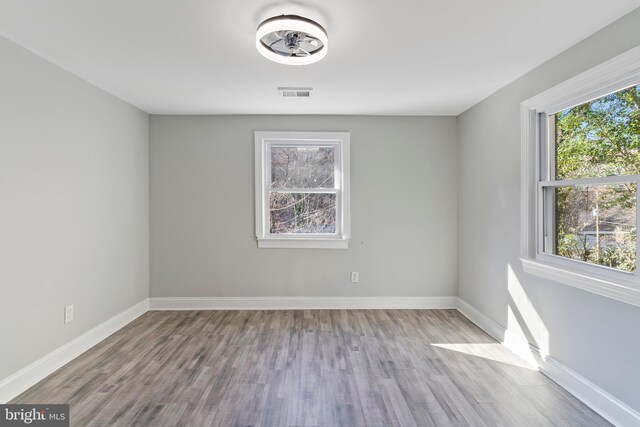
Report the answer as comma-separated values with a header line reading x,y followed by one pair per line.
x,y
589,187
581,176
302,189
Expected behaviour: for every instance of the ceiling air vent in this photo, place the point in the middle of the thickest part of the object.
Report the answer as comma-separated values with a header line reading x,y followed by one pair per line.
x,y
295,92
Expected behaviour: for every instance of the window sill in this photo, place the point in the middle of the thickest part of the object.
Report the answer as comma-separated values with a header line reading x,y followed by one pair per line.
x,y
606,287
303,243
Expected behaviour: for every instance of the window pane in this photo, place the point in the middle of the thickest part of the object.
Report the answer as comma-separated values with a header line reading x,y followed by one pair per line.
x,y
302,213
599,138
302,167
596,224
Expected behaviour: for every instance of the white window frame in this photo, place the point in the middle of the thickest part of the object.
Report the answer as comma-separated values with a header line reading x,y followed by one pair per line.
x,y
341,140
616,74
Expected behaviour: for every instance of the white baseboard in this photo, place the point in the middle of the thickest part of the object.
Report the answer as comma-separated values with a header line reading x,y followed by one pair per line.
x,y
609,407
482,321
26,377
301,303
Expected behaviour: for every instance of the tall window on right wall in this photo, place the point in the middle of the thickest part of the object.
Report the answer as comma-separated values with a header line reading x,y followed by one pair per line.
x,y
581,180
591,165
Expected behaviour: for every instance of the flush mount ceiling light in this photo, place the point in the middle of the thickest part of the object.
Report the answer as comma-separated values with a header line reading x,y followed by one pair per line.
x,y
292,39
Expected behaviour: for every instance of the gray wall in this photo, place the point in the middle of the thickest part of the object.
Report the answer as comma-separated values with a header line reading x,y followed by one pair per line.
x,y
73,206
595,336
403,214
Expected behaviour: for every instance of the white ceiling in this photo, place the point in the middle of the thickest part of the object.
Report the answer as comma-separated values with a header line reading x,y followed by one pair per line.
x,y
391,57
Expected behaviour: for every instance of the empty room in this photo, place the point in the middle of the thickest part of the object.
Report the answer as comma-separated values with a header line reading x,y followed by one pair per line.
x,y
319,213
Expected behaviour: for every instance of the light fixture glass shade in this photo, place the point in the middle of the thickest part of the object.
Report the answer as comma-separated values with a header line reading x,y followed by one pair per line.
x,y
292,40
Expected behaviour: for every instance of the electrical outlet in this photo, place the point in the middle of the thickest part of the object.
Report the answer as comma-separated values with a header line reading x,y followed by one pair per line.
x,y
354,277
68,313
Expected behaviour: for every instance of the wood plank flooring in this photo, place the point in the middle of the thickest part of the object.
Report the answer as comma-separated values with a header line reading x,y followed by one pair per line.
x,y
306,368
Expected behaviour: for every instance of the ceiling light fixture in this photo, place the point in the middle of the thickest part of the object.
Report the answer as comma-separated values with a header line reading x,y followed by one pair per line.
x,y
292,40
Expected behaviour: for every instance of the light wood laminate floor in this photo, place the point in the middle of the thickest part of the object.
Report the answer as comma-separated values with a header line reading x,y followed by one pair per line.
x,y
306,368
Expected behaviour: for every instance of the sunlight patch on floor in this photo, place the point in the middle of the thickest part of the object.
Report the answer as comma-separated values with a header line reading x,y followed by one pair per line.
x,y
491,351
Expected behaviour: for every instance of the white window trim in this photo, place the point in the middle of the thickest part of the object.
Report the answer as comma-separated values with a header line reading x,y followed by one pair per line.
x,y
618,73
343,225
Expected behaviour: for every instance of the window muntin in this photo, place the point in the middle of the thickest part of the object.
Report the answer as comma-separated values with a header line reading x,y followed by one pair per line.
x,y
302,189
590,160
